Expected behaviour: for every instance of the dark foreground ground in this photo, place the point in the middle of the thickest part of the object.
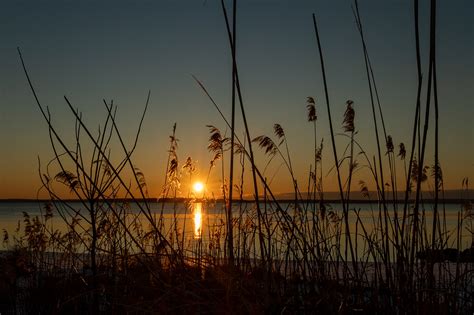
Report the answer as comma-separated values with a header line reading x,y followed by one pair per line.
x,y
162,287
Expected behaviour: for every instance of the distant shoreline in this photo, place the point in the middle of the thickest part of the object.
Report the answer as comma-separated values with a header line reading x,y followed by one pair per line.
x,y
246,200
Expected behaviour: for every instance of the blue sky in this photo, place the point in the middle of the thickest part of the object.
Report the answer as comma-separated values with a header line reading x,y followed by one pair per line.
x,y
90,50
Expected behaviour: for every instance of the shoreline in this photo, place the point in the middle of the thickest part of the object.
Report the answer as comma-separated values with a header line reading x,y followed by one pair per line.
x,y
282,200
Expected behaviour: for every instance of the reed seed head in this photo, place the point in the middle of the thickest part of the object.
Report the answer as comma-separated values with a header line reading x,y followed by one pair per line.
x,y
311,106
349,115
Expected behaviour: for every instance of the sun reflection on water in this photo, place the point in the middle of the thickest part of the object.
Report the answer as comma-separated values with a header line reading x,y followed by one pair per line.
x,y
197,213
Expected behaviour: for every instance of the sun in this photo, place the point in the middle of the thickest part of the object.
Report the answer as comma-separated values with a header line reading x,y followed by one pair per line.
x,y
198,187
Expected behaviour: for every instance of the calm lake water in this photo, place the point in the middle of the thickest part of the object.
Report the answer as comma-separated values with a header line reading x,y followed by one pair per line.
x,y
198,219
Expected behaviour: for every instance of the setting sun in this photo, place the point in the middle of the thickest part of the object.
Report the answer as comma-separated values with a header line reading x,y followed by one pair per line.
x,y
198,187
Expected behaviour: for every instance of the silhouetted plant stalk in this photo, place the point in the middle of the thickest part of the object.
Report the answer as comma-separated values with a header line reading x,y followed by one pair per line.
x,y
235,79
312,117
286,221
169,165
415,128
230,233
217,145
272,149
336,161
348,126
94,185
370,82
318,222
393,180
189,167
415,242
437,168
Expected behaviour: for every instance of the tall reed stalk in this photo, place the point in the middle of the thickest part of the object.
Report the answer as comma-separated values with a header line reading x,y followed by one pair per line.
x,y
244,118
336,161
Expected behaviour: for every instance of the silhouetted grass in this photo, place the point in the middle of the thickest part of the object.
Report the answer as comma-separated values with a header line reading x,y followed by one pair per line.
x,y
267,256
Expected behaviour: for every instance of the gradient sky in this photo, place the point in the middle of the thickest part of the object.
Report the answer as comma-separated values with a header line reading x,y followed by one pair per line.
x,y
90,50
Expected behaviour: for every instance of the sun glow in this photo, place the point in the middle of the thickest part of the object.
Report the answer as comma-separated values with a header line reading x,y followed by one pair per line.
x,y
198,187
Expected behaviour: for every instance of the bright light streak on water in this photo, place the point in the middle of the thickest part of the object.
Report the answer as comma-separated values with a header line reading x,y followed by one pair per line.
x,y
197,213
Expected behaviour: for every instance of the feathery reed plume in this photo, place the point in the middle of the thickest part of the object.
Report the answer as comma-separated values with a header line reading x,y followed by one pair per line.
x,y
189,165
217,156
349,115
171,176
141,180
401,151
390,146
173,171
311,106
217,145
266,143
319,152
437,174
312,117
363,189
279,132
216,140
402,154
416,173
67,178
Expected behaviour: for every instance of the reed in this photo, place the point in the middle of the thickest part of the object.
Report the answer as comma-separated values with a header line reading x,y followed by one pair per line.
x,y
262,255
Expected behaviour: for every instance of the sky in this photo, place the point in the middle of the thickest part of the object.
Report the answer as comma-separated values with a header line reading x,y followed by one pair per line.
x,y
94,50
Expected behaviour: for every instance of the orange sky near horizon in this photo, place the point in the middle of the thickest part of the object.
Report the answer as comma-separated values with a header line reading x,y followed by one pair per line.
x,y
126,49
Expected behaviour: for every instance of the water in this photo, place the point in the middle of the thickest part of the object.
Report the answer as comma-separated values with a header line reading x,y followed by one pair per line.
x,y
206,221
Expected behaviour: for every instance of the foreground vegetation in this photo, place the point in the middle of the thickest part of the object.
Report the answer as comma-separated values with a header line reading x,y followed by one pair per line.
x,y
266,257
